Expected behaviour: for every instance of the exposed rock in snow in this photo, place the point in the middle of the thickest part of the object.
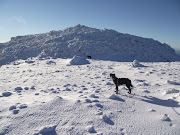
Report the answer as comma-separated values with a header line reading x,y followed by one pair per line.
x,y
85,41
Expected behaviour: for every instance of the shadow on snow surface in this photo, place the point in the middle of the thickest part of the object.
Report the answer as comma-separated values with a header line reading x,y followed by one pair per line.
x,y
155,100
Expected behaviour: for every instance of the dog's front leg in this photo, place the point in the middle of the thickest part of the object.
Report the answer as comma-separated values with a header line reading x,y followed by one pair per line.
x,y
129,91
116,89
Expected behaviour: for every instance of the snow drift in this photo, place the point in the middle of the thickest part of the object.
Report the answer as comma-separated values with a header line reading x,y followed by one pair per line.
x,y
85,41
77,60
136,63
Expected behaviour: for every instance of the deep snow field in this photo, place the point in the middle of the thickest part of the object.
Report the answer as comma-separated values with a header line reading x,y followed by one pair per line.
x,y
53,97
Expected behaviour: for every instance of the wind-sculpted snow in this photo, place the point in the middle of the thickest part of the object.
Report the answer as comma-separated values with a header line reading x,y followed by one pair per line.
x,y
50,97
85,41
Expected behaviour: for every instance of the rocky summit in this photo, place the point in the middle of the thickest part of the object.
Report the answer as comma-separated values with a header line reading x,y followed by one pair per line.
x,y
84,41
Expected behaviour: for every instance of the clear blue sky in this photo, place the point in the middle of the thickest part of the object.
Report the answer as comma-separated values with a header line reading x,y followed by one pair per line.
x,y
157,19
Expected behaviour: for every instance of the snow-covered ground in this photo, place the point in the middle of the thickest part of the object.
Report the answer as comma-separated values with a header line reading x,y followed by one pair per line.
x,y
54,97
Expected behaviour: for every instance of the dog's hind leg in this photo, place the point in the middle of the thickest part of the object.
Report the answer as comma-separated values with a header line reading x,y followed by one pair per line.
x,y
131,84
129,89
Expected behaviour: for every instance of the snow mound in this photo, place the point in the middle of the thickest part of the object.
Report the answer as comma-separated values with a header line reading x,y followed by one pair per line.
x,y
47,130
170,91
51,62
136,63
77,60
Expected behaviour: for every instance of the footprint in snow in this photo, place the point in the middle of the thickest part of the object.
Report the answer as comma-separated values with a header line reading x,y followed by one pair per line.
x,y
18,89
122,130
146,91
95,100
85,89
66,85
93,96
67,89
12,107
99,105
107,120
99,112
22,106
138,80
80,91
26,88
166,118
32,88
74,85
109,83
78,101
91,129
173,82
16,111
88,100
97,91
6,94
152,110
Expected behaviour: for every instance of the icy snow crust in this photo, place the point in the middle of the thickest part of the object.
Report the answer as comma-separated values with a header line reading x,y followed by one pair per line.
x,y
49,97
85,41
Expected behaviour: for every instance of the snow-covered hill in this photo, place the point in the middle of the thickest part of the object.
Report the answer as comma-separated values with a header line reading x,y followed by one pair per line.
x,y
54,97
82,41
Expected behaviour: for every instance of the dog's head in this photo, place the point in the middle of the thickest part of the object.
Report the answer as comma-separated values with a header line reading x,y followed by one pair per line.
x,y
112,75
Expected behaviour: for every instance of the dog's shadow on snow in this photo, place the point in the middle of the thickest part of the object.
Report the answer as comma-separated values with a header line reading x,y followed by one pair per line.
x,y
116,97
157,101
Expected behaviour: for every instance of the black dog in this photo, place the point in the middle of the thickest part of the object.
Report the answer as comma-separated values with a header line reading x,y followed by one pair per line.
x,y
120,81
